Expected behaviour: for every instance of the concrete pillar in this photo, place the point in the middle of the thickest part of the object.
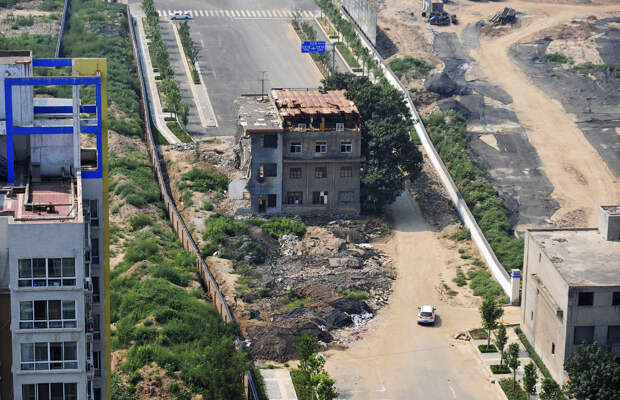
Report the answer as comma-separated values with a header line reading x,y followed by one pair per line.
x,y
515,286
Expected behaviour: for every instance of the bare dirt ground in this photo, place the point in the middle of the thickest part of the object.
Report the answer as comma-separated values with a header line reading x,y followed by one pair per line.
x,y
397,359
44,22
580,178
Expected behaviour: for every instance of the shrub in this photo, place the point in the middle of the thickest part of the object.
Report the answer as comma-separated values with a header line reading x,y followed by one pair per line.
x,y
207,206
279,226
479,334
219,227
356,294
410,67
500,369
179,132
483,285
141,249
138,222
556,58
533,355
168,272
203,181
487,349
462,234
347,55
460,279
507,386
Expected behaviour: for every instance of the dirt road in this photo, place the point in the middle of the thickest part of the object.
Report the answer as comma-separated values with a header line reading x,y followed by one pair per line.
x,y
581,179
397,359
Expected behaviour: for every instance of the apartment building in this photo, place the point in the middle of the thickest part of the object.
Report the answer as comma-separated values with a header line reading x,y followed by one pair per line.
x,y
302,151
571,289
54,308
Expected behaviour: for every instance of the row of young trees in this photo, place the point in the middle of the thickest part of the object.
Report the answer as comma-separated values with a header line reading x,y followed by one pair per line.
x,y
391,156
161,59
594,373
347,30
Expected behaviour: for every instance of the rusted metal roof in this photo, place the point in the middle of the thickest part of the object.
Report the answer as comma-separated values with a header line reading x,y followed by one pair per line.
x,y
312,102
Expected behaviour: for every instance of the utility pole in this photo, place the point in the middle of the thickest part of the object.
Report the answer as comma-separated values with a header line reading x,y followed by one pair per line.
x,y
262,85
333,57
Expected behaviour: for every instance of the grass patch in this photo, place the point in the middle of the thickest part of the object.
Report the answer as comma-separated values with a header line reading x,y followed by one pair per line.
x,y
133,179
296,303
487,349
461,234
409,67
556,58
207,206
203,181
460,278
507,386
484,285
195,77
588,67
347,55
356,294
179,132
138,222
449,136
479,334
42,46
500,369
279,226
449,291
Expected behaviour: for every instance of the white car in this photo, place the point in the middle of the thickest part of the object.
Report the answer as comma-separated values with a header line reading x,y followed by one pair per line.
x,y
426,315
181,15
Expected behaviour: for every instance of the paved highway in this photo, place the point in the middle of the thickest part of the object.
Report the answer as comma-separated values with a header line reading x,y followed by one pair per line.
x,y
238,40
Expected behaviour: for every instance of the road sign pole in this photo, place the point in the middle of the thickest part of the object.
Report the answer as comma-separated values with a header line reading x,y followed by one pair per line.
x,y
333,57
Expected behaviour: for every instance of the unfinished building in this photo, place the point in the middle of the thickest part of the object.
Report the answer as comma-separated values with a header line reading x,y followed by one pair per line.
x,y
302,151
571,289
53,231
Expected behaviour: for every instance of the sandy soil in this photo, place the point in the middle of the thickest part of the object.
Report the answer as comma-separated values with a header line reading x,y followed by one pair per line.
x,y
581,179
397,359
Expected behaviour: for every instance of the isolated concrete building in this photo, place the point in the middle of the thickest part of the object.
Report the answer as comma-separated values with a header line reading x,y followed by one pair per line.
x,y
571,289
54,311
302,152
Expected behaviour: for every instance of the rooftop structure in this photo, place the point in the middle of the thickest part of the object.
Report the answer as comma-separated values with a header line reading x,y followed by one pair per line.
x,y
302,151
571,289
53,232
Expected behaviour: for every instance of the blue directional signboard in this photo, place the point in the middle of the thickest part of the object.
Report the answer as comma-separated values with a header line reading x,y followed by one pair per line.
x,y
313,46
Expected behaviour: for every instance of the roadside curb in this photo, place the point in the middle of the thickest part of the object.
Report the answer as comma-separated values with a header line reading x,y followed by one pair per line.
x,y
151,86
203,120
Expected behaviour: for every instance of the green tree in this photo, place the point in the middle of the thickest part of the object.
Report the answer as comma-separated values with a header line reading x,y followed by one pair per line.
x,y
184,114
594,374
391,156
490,312
311,380
500,341
512,360
529,379
550,390
173,95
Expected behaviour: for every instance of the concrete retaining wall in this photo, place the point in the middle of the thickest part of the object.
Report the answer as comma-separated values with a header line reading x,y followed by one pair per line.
x,y
496,268
177,222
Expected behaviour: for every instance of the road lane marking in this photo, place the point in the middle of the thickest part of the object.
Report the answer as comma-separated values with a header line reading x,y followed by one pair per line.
x,y
452,390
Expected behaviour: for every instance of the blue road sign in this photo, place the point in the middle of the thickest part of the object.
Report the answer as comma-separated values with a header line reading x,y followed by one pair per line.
x,y
313,47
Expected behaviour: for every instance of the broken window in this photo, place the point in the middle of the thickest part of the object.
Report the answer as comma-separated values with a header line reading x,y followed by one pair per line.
x,y
268,170
295,147
586,298
295,173
346,172
271,200
294,197
320,172
319,197
270,141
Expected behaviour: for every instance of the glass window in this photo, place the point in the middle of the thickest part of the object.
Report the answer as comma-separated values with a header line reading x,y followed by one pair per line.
x,y
319,197
68,267
339,126
346,146
270,141
68,314
295,173
26,315
70,391
94,213
586,298
41,356
27,354
96,297
320,147
55,313
583,334
346,172
268,170
38,267
25,269
43,391
94,250
613,335
271,200
56,356
615,299
97,327
71,355
320,172
28,392
294,197
295,147
56,391
346,197
54,267
40,314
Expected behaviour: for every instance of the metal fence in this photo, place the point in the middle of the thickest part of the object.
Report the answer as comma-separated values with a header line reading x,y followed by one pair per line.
x,y
176,220
63,23
497,269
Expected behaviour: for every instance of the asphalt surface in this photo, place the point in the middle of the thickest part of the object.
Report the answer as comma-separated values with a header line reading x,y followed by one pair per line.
x,y
514,166
593,99
235,49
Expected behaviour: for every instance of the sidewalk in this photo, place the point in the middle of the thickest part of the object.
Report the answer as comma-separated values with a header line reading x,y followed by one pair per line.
x,y
151,85
489,359
194,126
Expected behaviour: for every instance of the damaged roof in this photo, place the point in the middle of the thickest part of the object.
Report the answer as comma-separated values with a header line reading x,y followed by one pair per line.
x,y
312,102
257,114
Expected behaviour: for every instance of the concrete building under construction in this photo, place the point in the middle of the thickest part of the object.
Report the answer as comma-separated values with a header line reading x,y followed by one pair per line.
x,y
54,308
302,151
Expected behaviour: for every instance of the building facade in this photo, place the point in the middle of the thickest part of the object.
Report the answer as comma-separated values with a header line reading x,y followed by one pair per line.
x,y
571,289
304,152
53,233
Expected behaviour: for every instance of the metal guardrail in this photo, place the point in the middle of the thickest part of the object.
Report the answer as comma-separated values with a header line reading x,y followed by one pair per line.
x,y
176,220
63,22
497,269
